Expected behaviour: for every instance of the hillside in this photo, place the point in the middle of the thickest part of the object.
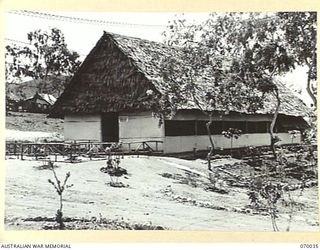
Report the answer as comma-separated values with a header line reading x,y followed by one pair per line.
x,y
23,126
53,86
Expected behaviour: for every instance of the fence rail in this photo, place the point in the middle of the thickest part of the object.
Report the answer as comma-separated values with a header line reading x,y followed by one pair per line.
x,y
73,150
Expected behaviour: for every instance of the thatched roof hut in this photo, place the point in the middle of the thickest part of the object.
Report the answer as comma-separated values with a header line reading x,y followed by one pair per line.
x,y
119,70
107,100
39,103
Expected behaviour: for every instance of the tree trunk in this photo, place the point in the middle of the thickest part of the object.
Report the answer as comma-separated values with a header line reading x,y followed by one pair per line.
x,y
61,204
309,65
310,92
208,124
274,119
231,145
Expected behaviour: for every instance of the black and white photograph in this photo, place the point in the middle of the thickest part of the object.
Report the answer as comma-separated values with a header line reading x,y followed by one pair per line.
x,y
177,121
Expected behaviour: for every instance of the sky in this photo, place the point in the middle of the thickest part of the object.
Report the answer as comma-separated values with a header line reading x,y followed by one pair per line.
x,y
81,36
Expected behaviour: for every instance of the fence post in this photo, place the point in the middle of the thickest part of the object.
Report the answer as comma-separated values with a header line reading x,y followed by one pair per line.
x,y
45,149
71,148
21,151
15,148
35,151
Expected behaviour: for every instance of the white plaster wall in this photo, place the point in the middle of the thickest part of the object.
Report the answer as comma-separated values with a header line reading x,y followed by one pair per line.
x,y
137,127
175,144
82,127
287,139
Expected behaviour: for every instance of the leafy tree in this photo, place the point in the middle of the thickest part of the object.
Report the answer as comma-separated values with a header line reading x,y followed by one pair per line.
x,y
300,32
46,56
243,51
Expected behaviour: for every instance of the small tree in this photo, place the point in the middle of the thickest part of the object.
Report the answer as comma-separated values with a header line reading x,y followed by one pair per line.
x,y
114,170
232,133
293,134
56,183
264,190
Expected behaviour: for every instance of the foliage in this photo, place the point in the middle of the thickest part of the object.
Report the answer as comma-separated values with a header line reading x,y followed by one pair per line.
x,y
243,51
47,55
102,223
310,135
300,31
56,183
274,185
114,170
232,133
293,134
271,193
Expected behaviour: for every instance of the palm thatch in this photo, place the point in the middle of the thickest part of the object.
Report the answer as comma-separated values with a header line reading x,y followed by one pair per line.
x,y
119,71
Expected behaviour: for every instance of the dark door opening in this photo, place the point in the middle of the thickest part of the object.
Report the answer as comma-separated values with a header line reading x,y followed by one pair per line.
x,y
110,127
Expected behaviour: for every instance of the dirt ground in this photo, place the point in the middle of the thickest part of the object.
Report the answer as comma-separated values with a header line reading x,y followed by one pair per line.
x,y
33,127
161,191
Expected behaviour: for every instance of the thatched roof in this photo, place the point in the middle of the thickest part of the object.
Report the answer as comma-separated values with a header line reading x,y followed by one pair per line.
x,y
119,70
50,99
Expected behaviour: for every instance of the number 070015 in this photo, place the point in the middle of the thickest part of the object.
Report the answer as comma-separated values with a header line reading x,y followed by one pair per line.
x,y
309,246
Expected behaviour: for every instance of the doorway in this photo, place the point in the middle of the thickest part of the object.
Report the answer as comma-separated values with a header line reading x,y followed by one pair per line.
x,y
110,127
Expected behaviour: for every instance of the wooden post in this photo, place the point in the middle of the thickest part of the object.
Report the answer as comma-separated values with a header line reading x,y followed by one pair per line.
x,y
21,151
71,148
156,145
15,148
55,157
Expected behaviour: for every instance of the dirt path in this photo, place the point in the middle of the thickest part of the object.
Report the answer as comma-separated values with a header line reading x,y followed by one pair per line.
x,y
160,193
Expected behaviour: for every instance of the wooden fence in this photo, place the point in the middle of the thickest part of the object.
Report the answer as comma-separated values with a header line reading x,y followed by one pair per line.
x,y
72,150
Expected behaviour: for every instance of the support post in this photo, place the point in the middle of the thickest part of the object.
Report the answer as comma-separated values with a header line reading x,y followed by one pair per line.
x,y
21,151
15,148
